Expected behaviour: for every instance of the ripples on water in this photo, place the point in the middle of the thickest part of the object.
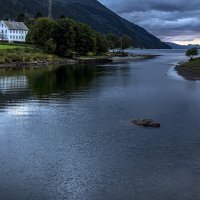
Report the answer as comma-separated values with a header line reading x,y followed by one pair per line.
x,y
65,132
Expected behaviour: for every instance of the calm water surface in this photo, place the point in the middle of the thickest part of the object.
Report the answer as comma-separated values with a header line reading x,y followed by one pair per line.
x,y
65,132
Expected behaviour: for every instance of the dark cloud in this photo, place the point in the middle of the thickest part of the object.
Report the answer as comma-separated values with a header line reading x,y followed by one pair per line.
x,y
170,20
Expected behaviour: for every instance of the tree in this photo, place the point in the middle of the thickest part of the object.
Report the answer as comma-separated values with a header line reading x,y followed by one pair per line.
x,y
101,44
38,15
42,32
64,37
50,46
191,53
113,41
62,16
21,17
126,42
84,39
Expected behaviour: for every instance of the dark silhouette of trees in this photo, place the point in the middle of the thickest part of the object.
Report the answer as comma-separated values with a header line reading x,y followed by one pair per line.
x,y
21,17
191,53
65,36
38,15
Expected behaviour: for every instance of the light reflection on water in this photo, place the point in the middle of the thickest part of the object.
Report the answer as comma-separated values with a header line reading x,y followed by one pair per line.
x,y
172,73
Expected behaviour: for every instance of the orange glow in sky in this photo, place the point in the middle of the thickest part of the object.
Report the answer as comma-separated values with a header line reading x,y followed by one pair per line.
x,y
195,41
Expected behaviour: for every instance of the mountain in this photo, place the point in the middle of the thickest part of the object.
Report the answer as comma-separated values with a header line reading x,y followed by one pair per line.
x,y
90,12
177,46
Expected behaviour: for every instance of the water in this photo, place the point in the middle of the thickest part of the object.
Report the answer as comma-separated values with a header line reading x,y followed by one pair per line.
x,y
65,132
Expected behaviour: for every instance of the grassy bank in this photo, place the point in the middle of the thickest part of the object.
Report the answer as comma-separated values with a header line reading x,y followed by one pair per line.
x,y
192,65
190,70
28,55
23,53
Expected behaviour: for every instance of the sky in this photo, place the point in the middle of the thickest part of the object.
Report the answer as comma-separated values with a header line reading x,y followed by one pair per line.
x,y
171,20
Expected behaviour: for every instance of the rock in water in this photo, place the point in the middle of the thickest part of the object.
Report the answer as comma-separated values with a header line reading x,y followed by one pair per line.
x,y
146,123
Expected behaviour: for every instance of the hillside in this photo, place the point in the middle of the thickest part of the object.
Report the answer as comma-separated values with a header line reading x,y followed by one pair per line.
x,y
90,12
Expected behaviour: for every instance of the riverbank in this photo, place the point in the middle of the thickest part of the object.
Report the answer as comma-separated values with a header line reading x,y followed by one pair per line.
x,y
189,70
19,56
132,58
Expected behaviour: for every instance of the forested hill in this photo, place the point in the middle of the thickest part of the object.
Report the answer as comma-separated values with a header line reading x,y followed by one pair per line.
x,y
90,12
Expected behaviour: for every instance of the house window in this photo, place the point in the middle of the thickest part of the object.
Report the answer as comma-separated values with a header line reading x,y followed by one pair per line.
x,y
6,31
10,31
11,37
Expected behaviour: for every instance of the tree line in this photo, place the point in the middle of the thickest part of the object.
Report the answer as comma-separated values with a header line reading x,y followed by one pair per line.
x,y
64,37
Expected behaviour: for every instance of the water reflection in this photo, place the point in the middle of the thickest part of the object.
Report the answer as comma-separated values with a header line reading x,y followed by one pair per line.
x,y
42,83
14,83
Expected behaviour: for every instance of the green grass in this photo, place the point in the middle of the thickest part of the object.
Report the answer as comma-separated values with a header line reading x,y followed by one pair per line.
x,y
193,65
4,46
24,53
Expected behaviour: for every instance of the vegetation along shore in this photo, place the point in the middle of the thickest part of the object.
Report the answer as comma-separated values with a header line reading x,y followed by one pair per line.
x,y
190,69
62,41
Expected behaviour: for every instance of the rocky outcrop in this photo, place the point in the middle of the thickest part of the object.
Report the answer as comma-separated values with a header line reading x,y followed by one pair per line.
x,y
146,123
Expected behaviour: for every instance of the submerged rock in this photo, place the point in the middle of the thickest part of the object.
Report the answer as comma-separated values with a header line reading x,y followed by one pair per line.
x,y
146,123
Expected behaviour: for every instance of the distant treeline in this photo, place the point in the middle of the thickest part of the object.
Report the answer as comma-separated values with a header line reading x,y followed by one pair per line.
x,y
64,37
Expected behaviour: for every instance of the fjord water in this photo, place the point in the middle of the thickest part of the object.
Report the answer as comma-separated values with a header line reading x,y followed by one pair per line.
x,y
65,132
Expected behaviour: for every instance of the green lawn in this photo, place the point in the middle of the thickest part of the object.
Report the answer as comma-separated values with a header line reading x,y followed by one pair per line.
x,y
8,46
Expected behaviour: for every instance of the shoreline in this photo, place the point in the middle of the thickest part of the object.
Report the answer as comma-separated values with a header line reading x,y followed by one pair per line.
x,y
80,61
188,70
36,64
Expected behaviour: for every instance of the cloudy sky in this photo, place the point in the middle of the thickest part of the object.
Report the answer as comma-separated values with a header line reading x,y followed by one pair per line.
x,y
170,20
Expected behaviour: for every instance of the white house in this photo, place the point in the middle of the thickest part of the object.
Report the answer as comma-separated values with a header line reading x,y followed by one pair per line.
x,y
12,31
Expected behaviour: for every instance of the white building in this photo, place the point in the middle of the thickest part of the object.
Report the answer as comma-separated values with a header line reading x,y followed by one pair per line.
x,y
12,31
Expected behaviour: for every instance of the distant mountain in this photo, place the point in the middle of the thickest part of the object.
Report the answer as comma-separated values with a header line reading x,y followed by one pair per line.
x,y
90,12
177,46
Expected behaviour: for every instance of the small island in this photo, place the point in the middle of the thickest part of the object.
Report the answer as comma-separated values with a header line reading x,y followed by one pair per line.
x,y
191,69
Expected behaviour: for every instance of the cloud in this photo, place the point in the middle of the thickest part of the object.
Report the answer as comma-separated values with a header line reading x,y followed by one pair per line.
x,y
170,20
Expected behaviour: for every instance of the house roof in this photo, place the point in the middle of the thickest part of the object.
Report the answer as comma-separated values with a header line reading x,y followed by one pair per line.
x,y
15,25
